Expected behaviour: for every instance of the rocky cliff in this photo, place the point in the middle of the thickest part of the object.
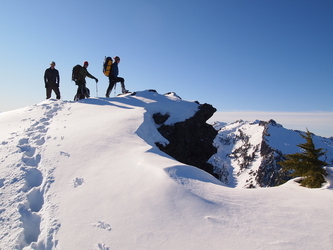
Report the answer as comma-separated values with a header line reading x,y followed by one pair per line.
x,y
240,154
191,141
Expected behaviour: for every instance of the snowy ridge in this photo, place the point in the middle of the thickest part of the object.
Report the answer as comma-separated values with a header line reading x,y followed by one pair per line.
x,y
238,143
87,175
248,152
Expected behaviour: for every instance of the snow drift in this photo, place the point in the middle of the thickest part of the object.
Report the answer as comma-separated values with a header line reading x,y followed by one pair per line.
x,y
88,175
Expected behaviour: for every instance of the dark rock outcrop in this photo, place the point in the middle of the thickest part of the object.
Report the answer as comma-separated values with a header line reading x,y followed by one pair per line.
x,y
270,173
159,118
191,141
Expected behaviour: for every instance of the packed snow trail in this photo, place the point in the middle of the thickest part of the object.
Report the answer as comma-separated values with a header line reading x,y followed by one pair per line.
x,y
25,169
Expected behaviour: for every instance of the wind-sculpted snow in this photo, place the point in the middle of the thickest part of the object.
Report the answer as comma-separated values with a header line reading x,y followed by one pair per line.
x,y
184,172
88,175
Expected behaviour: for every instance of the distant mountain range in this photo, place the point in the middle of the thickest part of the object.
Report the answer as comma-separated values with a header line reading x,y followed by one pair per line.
x,y
248,152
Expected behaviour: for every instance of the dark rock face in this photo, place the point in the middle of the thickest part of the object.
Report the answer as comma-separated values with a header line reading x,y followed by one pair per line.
x,y
270,173
159,118
191,141
241,151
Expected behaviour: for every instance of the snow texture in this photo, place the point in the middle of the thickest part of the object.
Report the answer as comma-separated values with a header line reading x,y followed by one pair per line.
x,y
87,175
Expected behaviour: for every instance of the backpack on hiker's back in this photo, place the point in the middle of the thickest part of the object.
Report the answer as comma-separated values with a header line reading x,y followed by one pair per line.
x,y
107,66
76,72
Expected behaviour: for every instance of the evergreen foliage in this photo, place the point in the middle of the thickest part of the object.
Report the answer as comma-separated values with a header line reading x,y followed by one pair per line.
x,y
307,164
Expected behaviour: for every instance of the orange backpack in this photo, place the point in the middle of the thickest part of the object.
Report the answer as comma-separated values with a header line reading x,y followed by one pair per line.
x,y
107,66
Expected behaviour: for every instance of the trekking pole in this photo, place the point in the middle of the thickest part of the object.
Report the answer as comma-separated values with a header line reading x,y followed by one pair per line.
x,y
115,86
96,90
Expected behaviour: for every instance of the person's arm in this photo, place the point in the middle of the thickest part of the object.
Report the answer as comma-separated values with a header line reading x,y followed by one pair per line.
x,y
58,78
45,78
91,76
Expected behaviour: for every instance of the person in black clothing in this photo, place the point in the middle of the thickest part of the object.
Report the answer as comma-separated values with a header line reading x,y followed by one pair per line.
x,y
52,80
113,78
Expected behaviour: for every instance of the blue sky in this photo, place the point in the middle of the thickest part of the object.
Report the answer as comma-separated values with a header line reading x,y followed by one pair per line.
x,y
240,56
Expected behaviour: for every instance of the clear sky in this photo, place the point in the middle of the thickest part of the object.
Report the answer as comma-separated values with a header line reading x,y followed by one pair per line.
x,y
245,56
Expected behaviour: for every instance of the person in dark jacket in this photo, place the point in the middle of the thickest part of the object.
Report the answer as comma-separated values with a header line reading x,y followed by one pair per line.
x,y
52,81
113,78
82,91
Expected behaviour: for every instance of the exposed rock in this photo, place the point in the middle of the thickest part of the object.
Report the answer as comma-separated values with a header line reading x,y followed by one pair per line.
x,y
191,141
249,152
269,173
159,118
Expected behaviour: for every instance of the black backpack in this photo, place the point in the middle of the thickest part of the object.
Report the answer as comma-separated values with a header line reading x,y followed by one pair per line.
x,y
76,72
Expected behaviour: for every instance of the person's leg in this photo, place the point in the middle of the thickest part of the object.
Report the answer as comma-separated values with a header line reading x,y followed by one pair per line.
x,y
82,92
56,91
77,96
108,91
86,92
122,83
79,92
48,91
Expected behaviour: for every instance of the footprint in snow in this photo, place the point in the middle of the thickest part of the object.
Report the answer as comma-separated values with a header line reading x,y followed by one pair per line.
x,y
27,149
102,246
64,154
103,225
33,178
1,182
36,199
30,223
32,161
39,139
23,141
77,182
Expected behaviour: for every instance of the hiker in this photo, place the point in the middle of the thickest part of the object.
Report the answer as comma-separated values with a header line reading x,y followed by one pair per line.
x,y
113,78
82,91
52,80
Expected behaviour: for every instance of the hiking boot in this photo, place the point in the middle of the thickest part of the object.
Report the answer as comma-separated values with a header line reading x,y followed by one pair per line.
x,y
125,91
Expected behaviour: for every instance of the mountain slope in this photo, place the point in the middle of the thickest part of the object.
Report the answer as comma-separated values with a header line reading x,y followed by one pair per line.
x,y
87,175
248,152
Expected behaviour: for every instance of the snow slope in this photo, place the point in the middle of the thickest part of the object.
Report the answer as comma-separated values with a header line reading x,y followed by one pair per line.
x,y
87,175
248,152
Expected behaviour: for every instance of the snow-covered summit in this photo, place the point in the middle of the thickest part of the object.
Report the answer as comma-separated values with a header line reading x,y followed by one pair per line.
x,y
88,175
249,152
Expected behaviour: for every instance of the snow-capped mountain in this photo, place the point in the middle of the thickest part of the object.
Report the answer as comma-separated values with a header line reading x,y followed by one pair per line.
x,y
248,152
89,175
